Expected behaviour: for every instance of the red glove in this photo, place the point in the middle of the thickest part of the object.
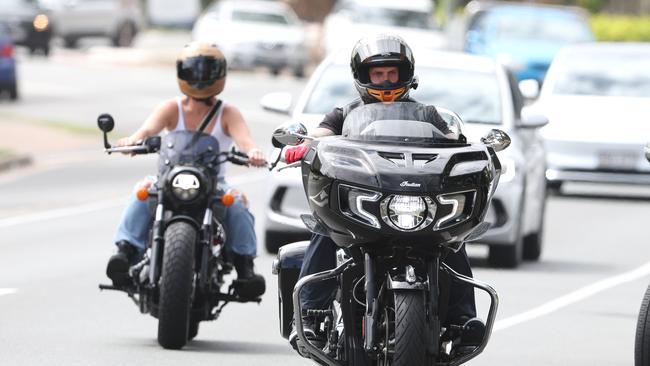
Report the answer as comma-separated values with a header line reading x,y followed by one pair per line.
x,y
295,153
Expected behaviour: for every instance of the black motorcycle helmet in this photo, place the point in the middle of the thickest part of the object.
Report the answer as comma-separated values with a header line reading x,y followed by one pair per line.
x,y
383,50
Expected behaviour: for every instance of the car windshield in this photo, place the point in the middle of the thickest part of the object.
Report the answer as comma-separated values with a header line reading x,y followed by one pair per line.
x,y
259,17
177,148
613,75
391,17
543,26
475,96
401,123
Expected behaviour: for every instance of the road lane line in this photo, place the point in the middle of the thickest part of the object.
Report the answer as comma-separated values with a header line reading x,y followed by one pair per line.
x,y
106,204
573,297
7,291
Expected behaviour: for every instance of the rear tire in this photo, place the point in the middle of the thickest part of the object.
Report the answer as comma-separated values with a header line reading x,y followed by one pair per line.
x,y
124,36
642,341
410,329
176,285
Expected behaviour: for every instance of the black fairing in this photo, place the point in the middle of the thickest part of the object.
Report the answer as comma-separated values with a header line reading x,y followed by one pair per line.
x,y
397,169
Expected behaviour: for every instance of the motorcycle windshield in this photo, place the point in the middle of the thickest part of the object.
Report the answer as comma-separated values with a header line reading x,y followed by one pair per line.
x,y
177,148
402,123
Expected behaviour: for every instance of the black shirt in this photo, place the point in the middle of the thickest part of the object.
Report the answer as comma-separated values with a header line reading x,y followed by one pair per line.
x,y
333,120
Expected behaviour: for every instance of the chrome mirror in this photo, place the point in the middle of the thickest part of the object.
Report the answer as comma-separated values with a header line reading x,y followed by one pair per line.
x,y
496,139
646,149
290,133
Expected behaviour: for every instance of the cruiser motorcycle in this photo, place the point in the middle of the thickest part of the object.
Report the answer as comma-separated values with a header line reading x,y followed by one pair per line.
x,y
642,340
396,192
180,279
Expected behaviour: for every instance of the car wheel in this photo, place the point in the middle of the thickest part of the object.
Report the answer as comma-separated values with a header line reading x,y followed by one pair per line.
x,y
13,91
299,71
124,36
509,255
533,241
70,41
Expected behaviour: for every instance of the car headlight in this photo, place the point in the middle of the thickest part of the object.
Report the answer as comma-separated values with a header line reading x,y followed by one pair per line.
x,y
351,200
41,22
408,213
461,204
186,186
508,170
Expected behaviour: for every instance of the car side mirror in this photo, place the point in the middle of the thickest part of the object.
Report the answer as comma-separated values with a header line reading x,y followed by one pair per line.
x,y
529,89
279,102
496,139
290,133
646,150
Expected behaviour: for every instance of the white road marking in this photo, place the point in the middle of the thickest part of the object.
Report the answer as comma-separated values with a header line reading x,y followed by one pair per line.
x,y
573,297
106,204
7,291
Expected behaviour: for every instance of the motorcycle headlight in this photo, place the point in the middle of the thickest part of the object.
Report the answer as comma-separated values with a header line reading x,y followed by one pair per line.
x,y
408,213
41,22
351,200
186,186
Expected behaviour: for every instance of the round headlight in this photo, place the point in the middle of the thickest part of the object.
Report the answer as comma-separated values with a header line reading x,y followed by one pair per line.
x,y
407,212
186,186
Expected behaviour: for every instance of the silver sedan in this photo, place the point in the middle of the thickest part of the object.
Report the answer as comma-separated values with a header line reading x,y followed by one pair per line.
x,y
486,96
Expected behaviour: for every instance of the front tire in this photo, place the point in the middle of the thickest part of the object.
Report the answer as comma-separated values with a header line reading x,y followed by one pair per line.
x,y
176,285
410,329
642,341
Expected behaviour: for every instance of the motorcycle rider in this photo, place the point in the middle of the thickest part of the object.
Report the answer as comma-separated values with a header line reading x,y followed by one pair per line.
x,y
201,76
383,71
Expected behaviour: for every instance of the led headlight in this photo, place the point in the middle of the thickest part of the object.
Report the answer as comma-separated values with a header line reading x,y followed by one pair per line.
x,y
408,213
186,186
41,22
461,204
351,200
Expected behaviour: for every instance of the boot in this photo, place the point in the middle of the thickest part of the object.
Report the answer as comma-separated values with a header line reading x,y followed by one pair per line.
x,y
118,265
248,284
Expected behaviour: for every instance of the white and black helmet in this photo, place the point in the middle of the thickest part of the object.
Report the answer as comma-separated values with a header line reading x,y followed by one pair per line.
x,y
383,50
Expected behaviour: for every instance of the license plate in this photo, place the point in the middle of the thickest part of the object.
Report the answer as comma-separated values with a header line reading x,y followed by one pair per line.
x,y
617,160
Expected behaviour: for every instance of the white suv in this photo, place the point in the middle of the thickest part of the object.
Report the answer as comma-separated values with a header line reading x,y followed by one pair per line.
x,y
119,20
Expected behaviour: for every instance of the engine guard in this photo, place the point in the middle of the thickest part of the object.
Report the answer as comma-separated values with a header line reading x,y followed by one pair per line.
x,y
322,356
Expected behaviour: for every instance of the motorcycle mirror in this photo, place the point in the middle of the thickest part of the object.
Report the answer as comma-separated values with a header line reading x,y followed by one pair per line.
x,y
290,133
496,139
646,149
105,122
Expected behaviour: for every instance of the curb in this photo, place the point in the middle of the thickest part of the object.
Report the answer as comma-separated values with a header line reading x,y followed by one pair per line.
x,y
15,161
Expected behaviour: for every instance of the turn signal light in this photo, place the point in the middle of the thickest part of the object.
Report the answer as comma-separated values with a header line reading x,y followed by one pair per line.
x,y
6,50
228,199
142,193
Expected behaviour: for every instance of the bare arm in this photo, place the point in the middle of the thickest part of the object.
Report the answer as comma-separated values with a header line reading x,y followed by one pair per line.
x,y
235,127
321,132
159,119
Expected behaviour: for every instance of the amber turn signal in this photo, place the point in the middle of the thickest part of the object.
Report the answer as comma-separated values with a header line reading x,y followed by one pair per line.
x,y
228,199
142,193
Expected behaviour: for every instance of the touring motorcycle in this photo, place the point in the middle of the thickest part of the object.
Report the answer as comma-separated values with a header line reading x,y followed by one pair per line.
x,y
180,279
396,192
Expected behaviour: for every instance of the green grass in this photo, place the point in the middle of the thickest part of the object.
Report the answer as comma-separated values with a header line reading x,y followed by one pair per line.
x,y
621,28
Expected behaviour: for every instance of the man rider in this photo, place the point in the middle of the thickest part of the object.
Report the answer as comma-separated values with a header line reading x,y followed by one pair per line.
x,y
383,71
201,76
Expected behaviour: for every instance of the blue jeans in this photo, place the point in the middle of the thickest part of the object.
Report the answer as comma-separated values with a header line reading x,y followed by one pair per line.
x,y
137,220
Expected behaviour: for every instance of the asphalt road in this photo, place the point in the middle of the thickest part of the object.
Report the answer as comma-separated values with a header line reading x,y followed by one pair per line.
x,y
577,306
